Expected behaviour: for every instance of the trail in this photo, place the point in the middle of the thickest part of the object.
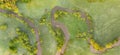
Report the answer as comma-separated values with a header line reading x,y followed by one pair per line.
x,y
54,24
57,24
64,28
66,32
31,24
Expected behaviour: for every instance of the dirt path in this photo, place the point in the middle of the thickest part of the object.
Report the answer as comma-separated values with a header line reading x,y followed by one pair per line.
x,y
64,28
31,24
66,32
56,24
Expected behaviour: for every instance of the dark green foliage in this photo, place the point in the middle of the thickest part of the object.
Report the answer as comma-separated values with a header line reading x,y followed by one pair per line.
x,y
42,20
12,47
59,36
22,40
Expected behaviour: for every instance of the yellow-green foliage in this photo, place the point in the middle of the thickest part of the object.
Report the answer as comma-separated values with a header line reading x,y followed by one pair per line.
x,y
59,38
9,4
17,29
59,13
77,14
23,41
56,16
32,30
99,48
109,45
82,35
12,47
3,27
43,20
96,45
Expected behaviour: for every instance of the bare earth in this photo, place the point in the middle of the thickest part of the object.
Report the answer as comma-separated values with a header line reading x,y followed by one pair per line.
x,y
30,24
61,26
64,28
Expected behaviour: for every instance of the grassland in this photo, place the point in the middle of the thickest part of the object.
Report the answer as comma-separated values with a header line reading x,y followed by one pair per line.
x,y
105,15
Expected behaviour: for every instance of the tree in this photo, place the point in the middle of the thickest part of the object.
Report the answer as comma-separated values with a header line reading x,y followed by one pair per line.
x,y
9,4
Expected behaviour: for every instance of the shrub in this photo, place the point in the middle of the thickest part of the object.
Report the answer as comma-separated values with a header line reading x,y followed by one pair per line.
x,y
3,27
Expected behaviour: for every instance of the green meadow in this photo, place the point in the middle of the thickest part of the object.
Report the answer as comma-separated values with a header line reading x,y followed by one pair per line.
x,y
105,15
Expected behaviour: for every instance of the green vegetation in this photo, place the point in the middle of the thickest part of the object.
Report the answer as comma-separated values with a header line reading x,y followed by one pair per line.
x,y
25,1
104,15
3,27
59,37
9,4
22,41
